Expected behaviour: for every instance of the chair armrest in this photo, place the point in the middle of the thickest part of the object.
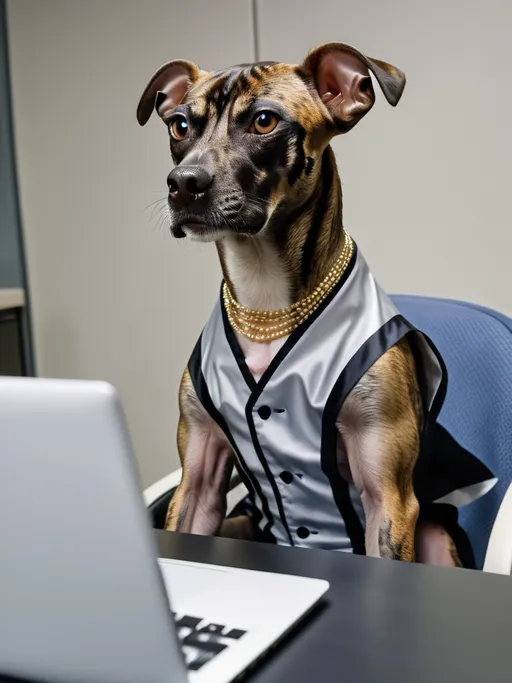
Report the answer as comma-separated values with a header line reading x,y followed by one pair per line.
x,y
236,494
237,491
498,558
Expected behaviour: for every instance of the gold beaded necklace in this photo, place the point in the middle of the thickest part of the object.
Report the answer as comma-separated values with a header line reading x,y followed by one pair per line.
x,y
265,326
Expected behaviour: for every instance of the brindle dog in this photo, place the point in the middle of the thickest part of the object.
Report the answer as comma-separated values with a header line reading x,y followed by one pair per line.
x,y
255,173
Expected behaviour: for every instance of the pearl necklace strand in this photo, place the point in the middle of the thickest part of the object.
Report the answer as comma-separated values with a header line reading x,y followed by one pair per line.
x,y
265,326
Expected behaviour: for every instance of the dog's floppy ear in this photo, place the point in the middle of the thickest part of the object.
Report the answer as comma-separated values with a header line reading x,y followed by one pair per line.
x,y
166,89
342,79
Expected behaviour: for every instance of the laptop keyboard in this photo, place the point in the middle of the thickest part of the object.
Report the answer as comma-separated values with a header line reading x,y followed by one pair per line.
x,y
202,641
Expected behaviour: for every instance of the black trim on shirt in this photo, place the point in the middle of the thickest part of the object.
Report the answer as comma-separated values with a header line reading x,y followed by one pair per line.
x,y
446,466
424,462
249,480
257,387
255,392
382,340
235,347
443,465
261,457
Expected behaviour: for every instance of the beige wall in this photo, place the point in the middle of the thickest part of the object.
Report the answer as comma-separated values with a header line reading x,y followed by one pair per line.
x,y
427,185
114,297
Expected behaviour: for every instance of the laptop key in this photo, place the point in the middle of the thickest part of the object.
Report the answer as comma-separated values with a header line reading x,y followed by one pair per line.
x,y
201,641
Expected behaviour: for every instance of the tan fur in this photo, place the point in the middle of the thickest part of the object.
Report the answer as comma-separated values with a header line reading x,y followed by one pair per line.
x,y
199,503
185,404
435,546
385,408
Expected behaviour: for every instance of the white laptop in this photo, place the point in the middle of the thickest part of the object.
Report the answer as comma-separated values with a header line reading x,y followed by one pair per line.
x,y
83,598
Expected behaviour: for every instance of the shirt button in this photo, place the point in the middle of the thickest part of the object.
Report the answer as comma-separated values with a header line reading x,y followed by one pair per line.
x,y
287,477
264,412
302,532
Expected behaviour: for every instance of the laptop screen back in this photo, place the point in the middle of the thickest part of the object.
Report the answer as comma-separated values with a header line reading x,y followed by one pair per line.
x,y
82,599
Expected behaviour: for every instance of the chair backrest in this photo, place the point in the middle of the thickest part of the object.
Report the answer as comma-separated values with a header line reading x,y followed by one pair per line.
x,y
476,344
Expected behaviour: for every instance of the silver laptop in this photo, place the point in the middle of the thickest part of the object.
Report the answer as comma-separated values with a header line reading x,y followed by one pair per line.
x,y
83,598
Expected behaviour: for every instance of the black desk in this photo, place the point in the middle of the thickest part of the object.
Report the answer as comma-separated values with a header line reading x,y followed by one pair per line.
x,y
384,621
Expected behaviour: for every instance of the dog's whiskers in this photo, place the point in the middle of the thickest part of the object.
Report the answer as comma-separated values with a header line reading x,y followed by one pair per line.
x,y
163,217
254,199
160,200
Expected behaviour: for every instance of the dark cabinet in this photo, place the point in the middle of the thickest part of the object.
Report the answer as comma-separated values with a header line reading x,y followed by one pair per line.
x,y
11,353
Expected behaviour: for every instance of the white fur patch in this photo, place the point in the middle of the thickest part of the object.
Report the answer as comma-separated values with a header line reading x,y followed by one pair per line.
x,y
207,235
257,273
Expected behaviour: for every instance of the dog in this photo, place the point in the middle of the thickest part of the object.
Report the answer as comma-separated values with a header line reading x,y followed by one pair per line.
x,y
306,378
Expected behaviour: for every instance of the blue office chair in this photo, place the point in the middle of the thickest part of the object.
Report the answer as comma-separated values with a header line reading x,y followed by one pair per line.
x,y
476,344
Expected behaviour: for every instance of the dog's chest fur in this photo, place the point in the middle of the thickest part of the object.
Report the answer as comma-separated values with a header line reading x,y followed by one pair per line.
x,y
257,273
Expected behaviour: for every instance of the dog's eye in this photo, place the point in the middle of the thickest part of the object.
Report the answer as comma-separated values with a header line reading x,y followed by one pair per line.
x,y
264,123
179,128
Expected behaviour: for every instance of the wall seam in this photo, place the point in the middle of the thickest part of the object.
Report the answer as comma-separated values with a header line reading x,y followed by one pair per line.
x,y
255,31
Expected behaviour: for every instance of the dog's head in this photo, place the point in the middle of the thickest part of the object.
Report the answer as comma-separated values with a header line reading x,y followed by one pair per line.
x,y
247,141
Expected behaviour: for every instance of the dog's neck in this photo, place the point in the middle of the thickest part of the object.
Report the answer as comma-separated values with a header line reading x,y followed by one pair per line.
x,y
295,254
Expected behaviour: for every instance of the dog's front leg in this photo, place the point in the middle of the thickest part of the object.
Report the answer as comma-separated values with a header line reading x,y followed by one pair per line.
x,y
199,503
379,425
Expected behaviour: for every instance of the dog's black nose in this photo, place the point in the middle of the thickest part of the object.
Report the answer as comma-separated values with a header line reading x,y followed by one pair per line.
x,y
187,182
